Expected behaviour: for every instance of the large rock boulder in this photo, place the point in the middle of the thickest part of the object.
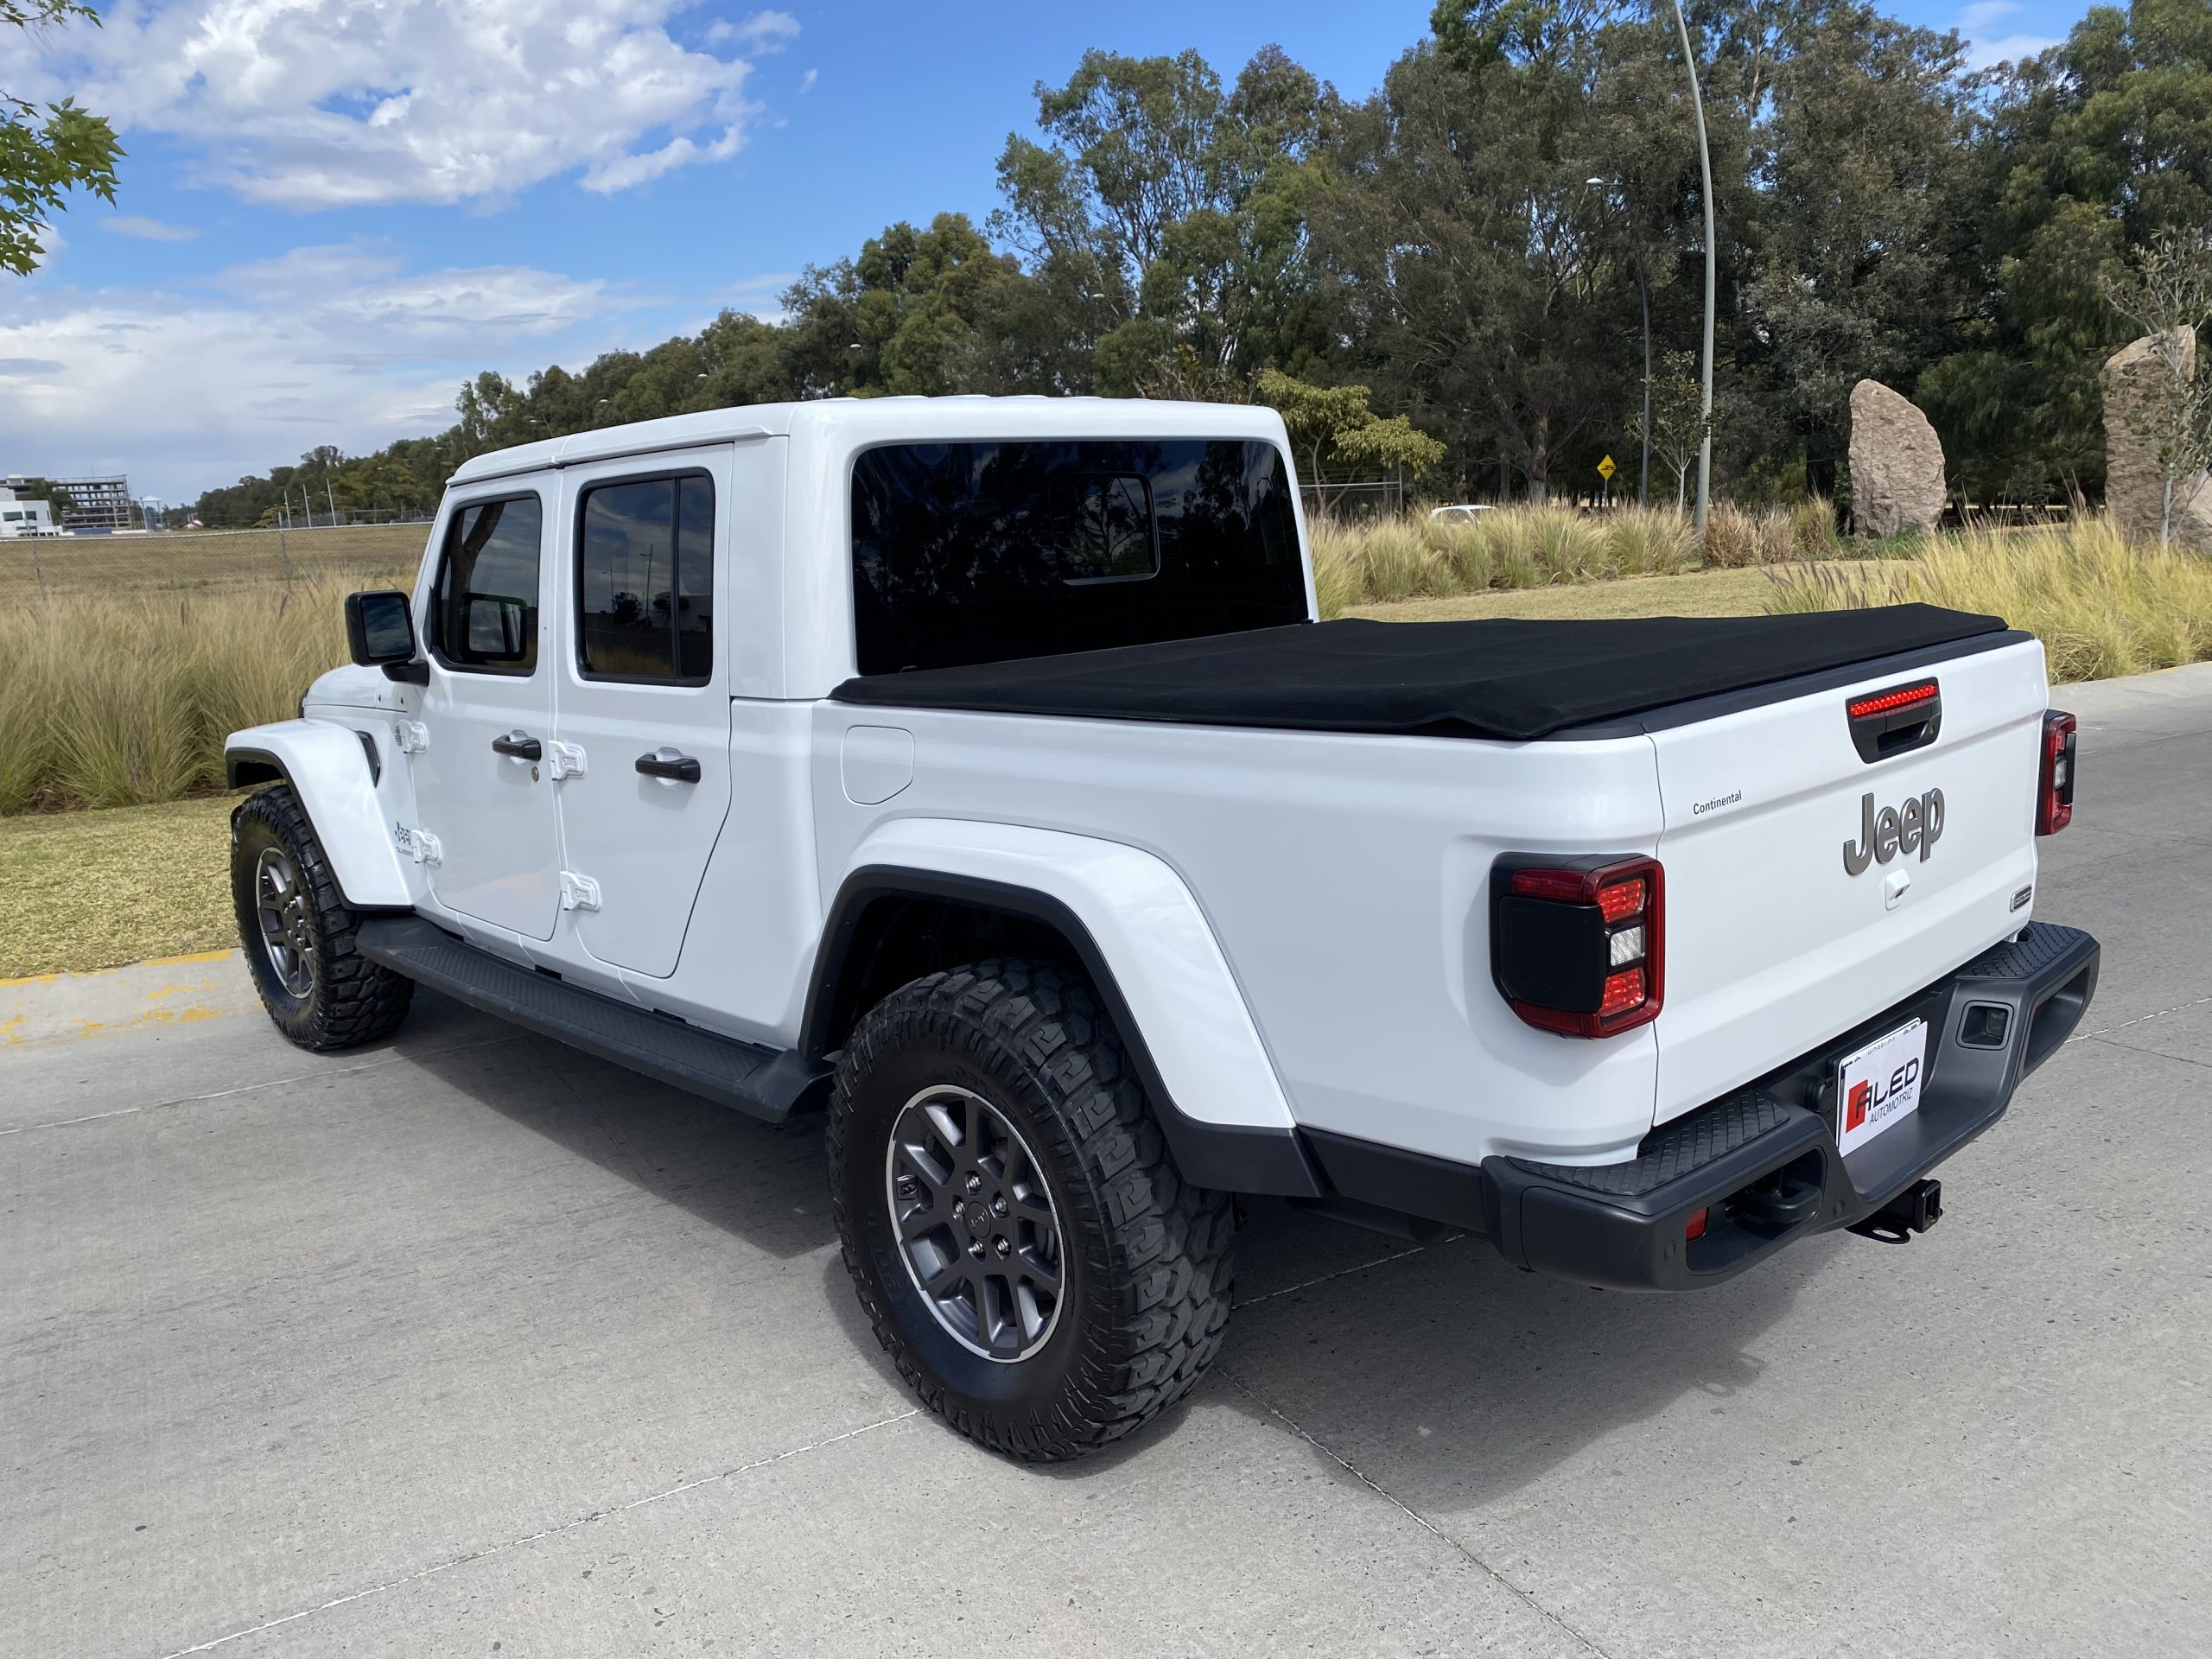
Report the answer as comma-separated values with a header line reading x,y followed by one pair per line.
x,y
2137,377
1896,464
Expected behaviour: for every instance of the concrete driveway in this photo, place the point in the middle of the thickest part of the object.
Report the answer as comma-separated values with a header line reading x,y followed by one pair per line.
x,y
469,1345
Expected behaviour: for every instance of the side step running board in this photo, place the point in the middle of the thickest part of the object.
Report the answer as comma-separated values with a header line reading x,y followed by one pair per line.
x,y
765,1083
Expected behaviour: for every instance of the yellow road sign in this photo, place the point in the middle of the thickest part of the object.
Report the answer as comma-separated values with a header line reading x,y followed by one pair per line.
x,y
1606,469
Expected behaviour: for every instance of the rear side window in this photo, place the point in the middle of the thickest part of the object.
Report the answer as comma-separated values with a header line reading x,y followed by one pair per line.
x,y
485,607
985,552
646,579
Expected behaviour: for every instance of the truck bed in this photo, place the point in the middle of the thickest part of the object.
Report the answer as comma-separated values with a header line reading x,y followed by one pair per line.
x,y
1498,678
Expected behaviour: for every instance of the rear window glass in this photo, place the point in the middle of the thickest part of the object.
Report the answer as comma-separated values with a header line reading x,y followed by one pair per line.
x,y
985,552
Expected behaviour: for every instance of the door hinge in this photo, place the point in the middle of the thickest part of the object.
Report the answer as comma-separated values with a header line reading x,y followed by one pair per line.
x,y
564,760
418,844
578,891
412,736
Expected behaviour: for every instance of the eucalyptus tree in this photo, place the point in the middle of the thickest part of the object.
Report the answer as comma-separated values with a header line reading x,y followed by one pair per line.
x,y
1167,216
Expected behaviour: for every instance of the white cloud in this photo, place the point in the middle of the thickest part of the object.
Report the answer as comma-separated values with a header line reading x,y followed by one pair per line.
x,y
325,345
147,230
1975,23
2010,48
806,81
332,103
765,31
761,296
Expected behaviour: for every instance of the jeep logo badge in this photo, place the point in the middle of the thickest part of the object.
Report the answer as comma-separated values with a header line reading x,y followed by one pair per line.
x,y
1917,825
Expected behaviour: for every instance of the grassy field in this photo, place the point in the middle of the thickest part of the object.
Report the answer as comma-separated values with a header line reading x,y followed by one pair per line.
x,y
96,889
204,560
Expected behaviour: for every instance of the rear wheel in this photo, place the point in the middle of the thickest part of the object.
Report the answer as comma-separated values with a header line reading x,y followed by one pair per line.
x,y
1021,1241
297,934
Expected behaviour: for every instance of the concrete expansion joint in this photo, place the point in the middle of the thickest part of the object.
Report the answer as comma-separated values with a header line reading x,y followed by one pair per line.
x,y
1380,1261
2141,1020
1407,1510
2154,1053
542,1533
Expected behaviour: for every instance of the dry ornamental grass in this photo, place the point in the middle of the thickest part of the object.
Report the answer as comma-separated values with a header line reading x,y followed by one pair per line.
x,y
1384,561
2101,605
122,699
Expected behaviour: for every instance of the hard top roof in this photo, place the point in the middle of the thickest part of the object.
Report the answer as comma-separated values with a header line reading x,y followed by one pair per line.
x,y
863,421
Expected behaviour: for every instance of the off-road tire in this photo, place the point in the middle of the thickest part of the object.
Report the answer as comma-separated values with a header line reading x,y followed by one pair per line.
x,y
350,1000
1148,1257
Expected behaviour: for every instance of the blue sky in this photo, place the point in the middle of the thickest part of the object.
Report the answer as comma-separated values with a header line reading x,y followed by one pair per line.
x,y
332,210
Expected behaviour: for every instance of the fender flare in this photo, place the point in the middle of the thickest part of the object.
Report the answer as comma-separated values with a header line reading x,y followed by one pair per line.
x,y
329,767
1147,949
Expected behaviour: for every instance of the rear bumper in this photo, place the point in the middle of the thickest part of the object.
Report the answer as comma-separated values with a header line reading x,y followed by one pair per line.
x,y
1762,1162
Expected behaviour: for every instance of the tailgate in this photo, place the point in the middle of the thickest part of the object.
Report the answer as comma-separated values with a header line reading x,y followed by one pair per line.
x,y
1774,944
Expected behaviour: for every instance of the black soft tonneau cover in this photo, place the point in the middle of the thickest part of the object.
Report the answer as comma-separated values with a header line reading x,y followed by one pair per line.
x,y
1496,678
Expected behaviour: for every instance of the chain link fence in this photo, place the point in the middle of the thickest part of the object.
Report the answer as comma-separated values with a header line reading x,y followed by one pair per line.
x,y
1355,500
186,561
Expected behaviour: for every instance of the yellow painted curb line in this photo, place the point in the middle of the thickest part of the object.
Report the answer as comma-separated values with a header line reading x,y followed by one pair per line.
x,y
165,991
88,973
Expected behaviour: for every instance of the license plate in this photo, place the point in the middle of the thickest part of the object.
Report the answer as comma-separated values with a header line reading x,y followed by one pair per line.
x,y
1878,1088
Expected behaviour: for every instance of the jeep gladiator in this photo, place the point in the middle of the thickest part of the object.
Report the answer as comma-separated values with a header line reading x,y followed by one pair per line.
x,y
977,773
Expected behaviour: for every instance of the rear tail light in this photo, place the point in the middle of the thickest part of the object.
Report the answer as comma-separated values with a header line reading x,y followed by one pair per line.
x,y
1577,945
2055,784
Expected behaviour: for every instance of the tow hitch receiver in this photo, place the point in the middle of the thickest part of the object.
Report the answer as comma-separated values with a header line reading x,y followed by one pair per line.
x,y
1917,1208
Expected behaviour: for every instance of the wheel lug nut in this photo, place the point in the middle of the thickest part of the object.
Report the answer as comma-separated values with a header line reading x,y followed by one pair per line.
x,y
975,1182
976,1249
998,1206
1006,1246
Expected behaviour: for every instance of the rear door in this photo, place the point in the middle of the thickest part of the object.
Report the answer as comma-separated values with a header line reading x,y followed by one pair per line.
x,y
644,695
1810,886
479,791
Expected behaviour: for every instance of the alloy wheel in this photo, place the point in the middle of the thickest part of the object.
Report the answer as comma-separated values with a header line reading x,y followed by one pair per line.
x,y
974,1219
280,899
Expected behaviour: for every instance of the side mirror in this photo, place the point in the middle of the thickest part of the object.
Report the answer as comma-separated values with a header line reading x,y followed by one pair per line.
x,y
381,630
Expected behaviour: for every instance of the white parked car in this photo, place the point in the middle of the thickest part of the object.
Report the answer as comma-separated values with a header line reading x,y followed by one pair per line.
x,y
976,769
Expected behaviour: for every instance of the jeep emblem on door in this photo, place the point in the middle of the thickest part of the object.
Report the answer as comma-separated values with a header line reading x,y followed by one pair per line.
x,y
1882,836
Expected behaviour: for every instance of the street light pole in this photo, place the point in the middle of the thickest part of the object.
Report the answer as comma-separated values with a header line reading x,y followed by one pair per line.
x,y
1643,471
1705,160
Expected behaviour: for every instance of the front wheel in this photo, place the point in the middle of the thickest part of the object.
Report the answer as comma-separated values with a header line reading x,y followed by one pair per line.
x,y
1021,1241
297,933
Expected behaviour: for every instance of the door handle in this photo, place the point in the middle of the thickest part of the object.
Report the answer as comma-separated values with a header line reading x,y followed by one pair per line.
x,y
519,746
667,763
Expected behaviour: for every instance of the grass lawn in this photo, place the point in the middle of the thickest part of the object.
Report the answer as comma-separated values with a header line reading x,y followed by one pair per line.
x,y
1705,592
96,889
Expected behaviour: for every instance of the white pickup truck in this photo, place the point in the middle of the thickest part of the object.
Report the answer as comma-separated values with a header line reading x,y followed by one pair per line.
x,y
977,769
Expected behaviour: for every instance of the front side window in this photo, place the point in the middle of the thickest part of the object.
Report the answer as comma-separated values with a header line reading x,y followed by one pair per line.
x,y
646,579
485,607
984,552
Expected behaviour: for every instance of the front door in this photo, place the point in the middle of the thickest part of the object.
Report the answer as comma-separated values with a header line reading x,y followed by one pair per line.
x,y
482,788
643,693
